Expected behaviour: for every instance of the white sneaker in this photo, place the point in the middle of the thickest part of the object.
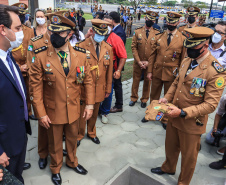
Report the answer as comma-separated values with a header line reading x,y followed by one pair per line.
x,y
104,119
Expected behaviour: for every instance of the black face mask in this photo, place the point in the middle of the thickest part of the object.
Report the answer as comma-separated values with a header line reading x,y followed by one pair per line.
x,y
194,53
171,28
149,23
57,41
22,18
191,20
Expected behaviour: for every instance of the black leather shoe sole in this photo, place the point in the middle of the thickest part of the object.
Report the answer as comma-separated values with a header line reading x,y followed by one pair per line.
x,y
158,171
143,105
144,120
95,139
26,166
132,103
42,163
77,171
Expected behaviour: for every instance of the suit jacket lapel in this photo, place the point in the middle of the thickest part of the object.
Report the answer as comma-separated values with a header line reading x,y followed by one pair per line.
x,y
54,60
4,69
164,39
144,33
73,56
102,50
92,48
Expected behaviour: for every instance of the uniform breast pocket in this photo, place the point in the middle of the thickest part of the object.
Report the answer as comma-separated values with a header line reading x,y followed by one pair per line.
x,y
50,80
106,64
177,53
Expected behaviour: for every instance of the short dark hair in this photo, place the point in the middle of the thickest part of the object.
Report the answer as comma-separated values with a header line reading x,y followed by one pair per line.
x,y
5,16
222,23
115,16
108,17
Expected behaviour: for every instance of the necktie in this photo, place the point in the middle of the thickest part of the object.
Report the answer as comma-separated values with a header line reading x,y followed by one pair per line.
x,y
192,66
64,62
169,38
8,58
147,33
97,50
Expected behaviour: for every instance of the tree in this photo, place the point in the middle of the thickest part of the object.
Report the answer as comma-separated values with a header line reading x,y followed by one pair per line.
x,y
136,3
170,3
151,2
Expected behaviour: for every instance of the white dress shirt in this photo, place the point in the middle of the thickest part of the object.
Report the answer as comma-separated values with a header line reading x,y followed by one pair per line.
x,y
74,40
3,56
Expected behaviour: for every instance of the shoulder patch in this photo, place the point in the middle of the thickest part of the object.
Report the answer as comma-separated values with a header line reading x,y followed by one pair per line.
x,y
157,29
219,82
43,48
217,66
108,43
76,48
36,38
139,27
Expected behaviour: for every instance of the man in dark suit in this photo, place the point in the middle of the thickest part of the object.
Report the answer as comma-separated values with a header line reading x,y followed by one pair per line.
x,y
81,22
14,123
118,30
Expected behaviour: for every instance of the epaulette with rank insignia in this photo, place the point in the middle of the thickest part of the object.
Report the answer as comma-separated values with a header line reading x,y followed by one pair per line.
x,y
43,48
79,42
36,38
108,43
160,32
79,49
217,66
156,29
139,27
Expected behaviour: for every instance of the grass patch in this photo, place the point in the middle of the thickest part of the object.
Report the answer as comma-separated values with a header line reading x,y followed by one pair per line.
x,y
128,48
88,16
128,72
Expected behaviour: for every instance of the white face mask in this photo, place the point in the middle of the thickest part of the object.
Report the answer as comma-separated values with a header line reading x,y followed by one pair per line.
x,y
109,29
19,39
40,21
216,38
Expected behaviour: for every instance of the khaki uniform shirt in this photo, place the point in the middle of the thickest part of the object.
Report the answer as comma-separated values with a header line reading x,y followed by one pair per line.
x,y
181,28
54,93
142,47
167,58
101,69
197,108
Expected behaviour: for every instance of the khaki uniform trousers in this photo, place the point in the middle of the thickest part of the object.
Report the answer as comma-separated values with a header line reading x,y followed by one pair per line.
x,y
55,138
91,123
188,144
43,151
137,72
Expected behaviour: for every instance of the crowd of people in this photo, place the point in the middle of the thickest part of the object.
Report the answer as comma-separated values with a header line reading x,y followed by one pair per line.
x,y
67,80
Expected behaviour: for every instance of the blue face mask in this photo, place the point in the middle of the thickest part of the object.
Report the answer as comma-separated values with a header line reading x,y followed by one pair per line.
x,y
98,38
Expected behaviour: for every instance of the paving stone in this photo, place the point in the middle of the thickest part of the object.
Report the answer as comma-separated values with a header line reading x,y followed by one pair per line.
x,y
133,109
129,126
111,129
88,146
115,118
130,117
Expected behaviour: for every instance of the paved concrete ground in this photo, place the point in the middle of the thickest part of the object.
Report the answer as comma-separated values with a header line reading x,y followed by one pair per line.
x,y
125,140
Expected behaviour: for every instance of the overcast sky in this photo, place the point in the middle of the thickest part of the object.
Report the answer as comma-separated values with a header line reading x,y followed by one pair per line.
x,y
207,1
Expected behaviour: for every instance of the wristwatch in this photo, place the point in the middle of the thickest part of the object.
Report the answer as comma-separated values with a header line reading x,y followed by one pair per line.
x,y
119,70
182,114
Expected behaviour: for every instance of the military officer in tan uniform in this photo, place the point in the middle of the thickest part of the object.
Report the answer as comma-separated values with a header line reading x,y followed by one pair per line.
x,y
202,20
192,18
195,92
100,59
143,44
20,53
36,43
56,77
165,61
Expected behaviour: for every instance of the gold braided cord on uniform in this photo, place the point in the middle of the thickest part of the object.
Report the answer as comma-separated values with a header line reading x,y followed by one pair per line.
x,y
173,21
58,28
97,70
150,17
20,47
100,31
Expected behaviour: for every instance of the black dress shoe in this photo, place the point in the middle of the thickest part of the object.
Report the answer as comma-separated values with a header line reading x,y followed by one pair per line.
x,y
144,120
79,169
132,103
64,137
33,117
26,166
164,125
78,143
42,163
95,139
159,171
56,178
143,105
64,152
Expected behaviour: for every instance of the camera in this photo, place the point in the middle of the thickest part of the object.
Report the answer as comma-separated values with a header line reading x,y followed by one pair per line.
x,y
217,136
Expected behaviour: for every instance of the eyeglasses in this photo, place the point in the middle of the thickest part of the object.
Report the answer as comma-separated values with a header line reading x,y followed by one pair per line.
x,y
221,33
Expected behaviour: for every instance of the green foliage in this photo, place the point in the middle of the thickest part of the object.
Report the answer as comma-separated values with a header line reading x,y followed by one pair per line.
x,y
151,2
170,3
